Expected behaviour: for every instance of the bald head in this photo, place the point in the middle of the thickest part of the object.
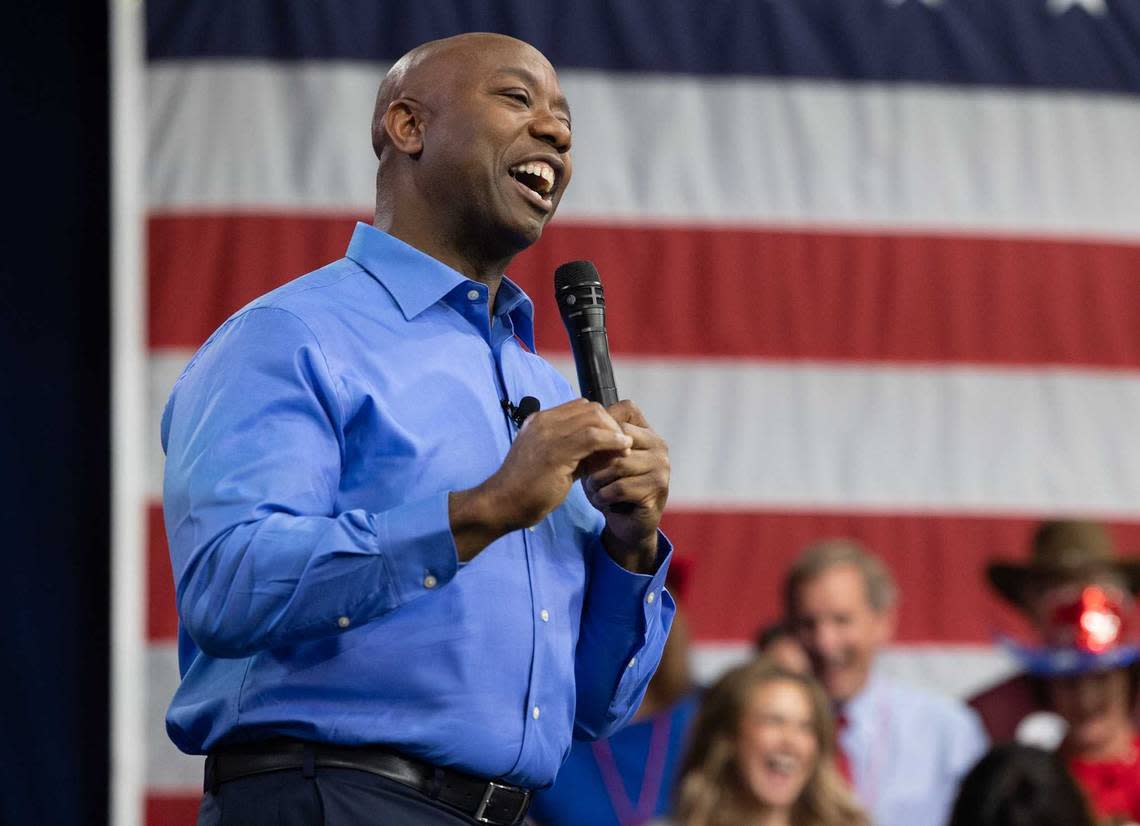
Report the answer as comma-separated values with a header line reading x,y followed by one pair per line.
x,y
430,70
473,138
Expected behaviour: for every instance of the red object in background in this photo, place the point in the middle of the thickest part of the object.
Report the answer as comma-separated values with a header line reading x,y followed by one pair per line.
x,y
1092,621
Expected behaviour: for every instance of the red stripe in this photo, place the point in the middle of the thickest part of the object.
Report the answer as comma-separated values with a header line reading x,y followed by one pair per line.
x,y
161,615
745,293
203,267
738,559
939,562
171,809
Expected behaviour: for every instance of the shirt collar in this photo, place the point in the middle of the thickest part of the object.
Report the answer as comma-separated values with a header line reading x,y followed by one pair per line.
x,y
861,708
417,281
512,302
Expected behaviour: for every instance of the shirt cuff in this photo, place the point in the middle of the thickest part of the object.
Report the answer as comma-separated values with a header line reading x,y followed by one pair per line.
x,y
417,547
620,596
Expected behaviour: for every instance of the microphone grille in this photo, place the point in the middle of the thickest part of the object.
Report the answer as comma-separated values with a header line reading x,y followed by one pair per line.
x,y
576,274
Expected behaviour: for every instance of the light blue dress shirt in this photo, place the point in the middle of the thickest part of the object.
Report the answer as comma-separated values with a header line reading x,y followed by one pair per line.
x,y
311,444
908,751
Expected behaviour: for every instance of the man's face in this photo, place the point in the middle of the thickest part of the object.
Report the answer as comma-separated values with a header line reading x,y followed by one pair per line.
x,y
839,629
496,156
1095,706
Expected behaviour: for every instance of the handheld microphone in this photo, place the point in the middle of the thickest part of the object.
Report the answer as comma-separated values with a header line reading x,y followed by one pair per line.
x,y
582,305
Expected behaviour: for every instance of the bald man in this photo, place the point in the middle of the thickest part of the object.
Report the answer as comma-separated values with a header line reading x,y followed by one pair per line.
x,y
397,604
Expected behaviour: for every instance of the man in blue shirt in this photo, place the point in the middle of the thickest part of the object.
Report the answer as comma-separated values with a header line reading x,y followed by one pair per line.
x,y
396,604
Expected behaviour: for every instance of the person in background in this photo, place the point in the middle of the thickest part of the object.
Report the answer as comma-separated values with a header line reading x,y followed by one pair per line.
x,y
1018,785
1063,553
1089,660
628,779
779,644
761,754
904,750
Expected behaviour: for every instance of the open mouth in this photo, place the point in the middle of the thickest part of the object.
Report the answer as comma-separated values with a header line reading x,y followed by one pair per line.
x,y
536,179
782,765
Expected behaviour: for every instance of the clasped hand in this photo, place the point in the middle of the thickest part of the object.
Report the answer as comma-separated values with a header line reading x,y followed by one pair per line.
x,y
615,452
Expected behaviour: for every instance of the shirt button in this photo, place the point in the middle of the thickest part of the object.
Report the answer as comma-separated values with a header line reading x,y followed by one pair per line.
x,y
473,295
650,597
534,712
632,662
343,622
532,528
545,615
430,581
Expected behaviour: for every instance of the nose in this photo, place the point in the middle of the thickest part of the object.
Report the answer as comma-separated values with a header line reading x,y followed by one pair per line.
x,y
1088,695
552,130
826,640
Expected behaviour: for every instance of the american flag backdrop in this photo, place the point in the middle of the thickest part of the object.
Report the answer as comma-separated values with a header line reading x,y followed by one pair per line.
x,y
872,268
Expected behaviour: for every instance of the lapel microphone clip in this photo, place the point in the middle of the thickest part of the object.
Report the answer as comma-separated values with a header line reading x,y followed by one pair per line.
x,y
519,412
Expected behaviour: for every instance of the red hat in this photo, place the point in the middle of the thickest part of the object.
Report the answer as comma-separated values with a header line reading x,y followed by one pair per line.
x,y
1086,629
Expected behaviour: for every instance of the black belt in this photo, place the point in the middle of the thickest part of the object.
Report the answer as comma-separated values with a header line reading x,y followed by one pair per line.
x,y
487,801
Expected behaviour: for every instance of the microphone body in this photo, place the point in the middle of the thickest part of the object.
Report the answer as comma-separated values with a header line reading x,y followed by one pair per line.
x,y
582,305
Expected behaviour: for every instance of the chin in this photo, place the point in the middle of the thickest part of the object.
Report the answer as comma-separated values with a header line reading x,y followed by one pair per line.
x,y
841,687
518,234
1091,735
777,798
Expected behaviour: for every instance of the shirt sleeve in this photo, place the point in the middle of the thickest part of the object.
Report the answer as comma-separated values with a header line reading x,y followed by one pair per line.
x,y
625,620
254,442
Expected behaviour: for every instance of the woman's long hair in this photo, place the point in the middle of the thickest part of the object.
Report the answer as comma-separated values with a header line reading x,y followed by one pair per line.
x,y
712,791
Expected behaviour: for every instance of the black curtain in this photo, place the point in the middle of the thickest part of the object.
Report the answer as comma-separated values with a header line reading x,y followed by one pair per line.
x,y
54,394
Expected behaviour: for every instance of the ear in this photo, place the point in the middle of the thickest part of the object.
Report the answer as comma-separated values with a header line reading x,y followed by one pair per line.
x,y
404,124
888,621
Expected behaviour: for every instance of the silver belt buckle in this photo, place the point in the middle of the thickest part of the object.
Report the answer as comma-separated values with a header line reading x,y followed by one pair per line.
x,y
490,792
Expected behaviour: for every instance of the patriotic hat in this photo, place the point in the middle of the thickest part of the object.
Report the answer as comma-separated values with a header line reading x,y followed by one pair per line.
x,y
1086,628
1064,552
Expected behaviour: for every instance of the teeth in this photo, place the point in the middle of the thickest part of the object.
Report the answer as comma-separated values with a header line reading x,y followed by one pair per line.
x,y
541,170
782,763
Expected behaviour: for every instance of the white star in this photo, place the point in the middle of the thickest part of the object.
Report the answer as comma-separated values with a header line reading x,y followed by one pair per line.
x,y
1097,7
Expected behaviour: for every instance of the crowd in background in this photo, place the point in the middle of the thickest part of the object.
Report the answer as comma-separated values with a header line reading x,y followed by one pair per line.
x,y
809,732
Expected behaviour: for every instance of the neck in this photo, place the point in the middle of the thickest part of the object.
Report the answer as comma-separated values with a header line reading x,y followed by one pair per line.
x,y
773,817
463,256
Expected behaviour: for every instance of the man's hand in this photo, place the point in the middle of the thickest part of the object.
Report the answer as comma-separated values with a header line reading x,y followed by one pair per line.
x,y
639,478
550,452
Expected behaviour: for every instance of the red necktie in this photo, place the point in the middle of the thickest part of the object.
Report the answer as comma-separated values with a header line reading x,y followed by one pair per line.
x,y
842,762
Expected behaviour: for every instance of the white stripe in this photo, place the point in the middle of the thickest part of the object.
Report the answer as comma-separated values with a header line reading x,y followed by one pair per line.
x,y
875,438
129,460
266,136
168,769
957,671
954,670
165,368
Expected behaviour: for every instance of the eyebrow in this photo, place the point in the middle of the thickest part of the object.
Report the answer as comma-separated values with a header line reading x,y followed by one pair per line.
x,y
530,80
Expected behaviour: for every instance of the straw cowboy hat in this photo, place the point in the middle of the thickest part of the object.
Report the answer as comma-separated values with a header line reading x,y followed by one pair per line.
x,y
1063,552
